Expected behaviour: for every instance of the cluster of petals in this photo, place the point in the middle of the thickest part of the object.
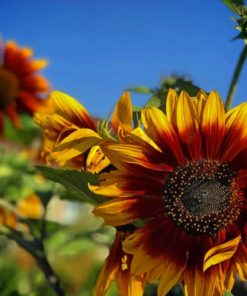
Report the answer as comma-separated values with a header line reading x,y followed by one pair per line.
x,y
22,88
188,132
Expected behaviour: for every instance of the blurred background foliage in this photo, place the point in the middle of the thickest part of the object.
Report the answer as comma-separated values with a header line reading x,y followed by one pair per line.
x,y
75,241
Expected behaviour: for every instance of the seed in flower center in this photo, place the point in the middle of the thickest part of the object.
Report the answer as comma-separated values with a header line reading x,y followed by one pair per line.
x,y
202,197
205,196
8,88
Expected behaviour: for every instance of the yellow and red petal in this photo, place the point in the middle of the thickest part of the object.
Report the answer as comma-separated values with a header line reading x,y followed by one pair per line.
x,y
200,102
124,156
213,125
139,137
172,275
96,161
162,133
121,211
156,233
113,270
72,110
171,106
198,283
240,260
122,113
236,133
110,269
221,253
188,126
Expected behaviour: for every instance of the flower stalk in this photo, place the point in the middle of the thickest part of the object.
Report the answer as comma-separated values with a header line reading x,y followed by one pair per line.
x,y
236,74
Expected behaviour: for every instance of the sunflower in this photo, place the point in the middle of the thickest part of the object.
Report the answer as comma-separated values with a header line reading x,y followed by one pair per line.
x,y
69,130
184,185
21,87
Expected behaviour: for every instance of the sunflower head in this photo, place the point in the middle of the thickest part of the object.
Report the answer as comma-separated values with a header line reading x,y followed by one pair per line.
x,y
184,177
69,130
22,88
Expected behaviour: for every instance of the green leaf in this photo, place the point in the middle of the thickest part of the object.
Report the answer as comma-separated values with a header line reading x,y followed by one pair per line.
x,y
26,134
141,90
136,118
227,293
179,83
233,5
74,181
154,101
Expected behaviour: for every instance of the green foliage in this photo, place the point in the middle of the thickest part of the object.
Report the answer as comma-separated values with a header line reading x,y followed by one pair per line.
x,y
234,5
75,182
227,293
141,90
17,175
238,7
158,95
24,135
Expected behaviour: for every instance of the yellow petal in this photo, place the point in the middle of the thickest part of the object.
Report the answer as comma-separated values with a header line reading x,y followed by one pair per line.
x,y
111,267
161,131
236,132
125,155
121,211
241,264
31,207
96,161
75,144
122,113
72,110
198,283
171,104
220,253
200,102
172,275
187,125
213,124
112,190
186,118
230,278
138,136
39,64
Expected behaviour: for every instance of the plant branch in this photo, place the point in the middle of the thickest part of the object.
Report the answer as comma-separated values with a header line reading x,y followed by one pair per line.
x,y
236,74
37,250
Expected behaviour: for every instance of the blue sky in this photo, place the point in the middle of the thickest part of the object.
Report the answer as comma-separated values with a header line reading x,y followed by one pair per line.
x,y
96,49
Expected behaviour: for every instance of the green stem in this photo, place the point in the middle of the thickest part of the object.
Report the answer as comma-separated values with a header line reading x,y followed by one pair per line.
x,y
49,274
233,86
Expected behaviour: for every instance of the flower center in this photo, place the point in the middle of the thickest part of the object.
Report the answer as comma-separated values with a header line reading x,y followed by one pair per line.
x,y
202,197
8,88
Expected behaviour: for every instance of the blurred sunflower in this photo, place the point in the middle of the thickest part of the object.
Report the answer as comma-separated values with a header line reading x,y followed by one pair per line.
x,y
28,207
186,186
21,87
